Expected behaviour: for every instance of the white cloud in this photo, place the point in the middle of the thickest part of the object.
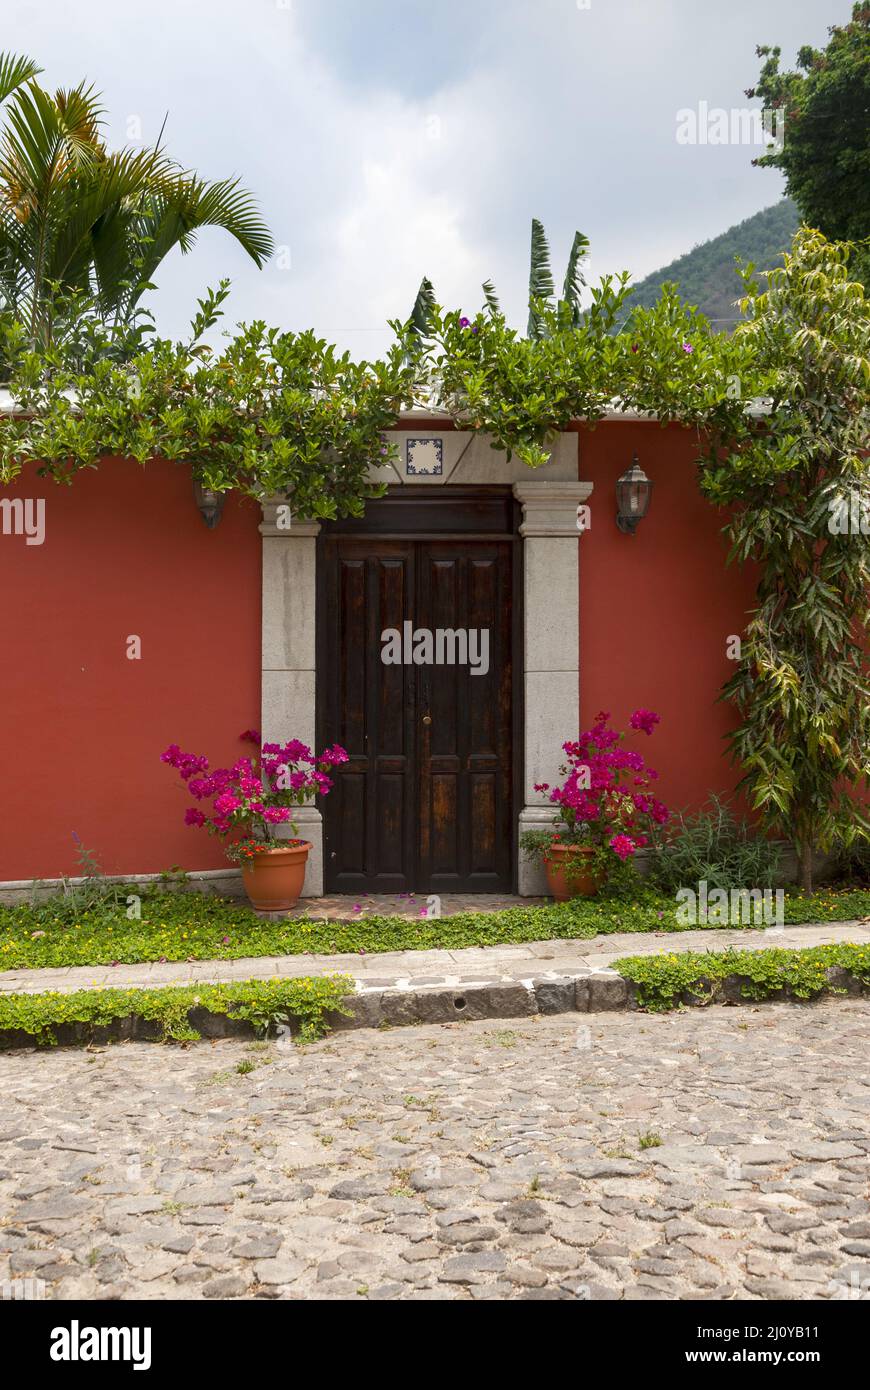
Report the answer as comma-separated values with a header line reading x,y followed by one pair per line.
x,y
376,172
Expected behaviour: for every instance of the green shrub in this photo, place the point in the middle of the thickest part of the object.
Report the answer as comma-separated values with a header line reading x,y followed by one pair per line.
x,y
302,1004
666,981
853,863
713,846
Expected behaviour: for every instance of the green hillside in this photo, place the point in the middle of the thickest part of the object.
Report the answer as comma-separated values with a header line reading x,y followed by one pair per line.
x,y
706,275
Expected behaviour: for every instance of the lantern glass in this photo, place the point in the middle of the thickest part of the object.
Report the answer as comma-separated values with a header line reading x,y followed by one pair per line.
x,y
633,492
210,504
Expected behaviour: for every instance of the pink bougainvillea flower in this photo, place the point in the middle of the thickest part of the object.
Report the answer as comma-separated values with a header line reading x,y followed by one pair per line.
x,y
644,719
687,347
598,804
245,797
334,755
296,752
623,845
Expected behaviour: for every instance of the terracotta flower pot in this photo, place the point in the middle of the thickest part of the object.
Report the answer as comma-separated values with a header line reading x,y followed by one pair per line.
x,y
273,877
570,873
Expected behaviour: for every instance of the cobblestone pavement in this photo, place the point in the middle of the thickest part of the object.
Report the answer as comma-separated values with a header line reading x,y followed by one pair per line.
x,y
714,1154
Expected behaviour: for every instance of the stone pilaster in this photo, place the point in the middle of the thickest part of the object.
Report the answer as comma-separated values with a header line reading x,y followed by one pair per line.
x,y
551,645
289,666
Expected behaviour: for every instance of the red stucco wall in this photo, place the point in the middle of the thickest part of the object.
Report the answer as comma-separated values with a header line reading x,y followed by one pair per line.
x,y
657,608
125,552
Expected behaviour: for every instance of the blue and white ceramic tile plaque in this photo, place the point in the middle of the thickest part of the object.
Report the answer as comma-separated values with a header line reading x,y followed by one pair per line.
x,y
424,458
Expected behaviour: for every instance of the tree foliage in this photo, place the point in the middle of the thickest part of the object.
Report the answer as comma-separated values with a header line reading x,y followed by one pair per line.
x,y
541,289
79,221
799,488
825,155
267,413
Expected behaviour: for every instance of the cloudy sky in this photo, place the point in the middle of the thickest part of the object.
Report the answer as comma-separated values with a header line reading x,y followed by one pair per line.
x,y
387,139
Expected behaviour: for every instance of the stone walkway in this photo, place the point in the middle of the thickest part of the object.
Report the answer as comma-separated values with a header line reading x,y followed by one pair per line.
x,y
712,1155
476,965
341,908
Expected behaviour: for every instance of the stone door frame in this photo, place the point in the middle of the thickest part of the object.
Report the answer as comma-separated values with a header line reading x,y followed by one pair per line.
x,y
549,497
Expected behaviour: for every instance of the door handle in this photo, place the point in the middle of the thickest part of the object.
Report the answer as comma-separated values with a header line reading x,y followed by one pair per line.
x,y
427,719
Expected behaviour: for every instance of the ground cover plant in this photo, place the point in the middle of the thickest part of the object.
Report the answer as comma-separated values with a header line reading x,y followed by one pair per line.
x,y
665,982
191,926
299,1007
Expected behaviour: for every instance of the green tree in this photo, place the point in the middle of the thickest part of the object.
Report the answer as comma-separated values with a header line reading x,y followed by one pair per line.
x,y
799,487
825,153
80,222
266,413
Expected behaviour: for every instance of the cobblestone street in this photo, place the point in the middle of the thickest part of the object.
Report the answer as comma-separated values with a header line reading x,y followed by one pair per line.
x,y
714,1154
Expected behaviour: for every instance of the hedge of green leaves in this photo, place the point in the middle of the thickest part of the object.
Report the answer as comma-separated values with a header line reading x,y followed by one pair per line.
x,y
666,981
301,1004
190,926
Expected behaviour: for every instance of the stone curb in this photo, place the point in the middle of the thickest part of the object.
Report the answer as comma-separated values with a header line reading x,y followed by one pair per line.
x,y
600,991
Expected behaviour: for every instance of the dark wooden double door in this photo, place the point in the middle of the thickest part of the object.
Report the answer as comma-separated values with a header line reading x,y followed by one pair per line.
x,y
425,802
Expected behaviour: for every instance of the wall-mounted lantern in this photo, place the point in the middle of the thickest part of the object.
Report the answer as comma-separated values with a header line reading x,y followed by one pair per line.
x,y
633,491
211,504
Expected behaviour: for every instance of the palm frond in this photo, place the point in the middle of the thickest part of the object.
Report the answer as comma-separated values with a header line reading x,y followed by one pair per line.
x,y
197,203
574,277
100,196
490,297
80,116
421,314
74,218
540,274
14,72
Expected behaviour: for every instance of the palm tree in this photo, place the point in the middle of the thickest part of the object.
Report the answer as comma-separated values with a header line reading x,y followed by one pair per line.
x,y
77,219
541,287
